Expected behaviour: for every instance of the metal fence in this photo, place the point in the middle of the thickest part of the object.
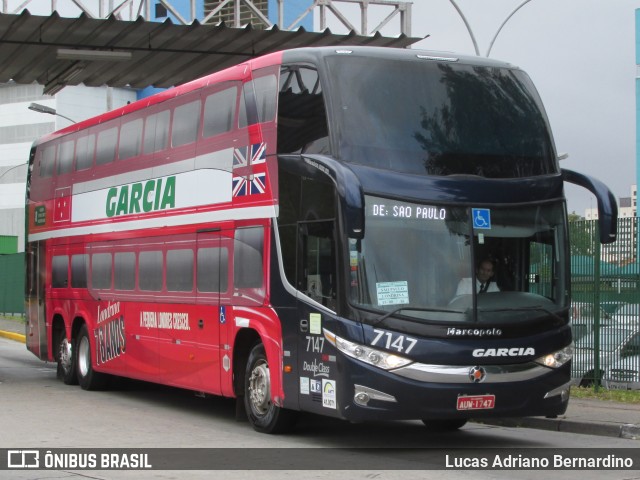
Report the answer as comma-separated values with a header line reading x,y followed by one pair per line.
x,y
605,311
12,276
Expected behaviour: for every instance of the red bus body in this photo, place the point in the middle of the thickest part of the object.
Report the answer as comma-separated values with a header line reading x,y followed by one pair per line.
x,y
181,336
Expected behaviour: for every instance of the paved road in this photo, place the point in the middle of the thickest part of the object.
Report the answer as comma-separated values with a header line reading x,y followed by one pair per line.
x,y
38,411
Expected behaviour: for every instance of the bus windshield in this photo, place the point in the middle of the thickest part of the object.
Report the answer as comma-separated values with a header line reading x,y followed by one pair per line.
x,y
415,260
434,118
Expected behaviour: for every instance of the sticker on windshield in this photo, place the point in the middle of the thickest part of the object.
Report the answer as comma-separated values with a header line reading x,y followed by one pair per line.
x,y
481,218
392,293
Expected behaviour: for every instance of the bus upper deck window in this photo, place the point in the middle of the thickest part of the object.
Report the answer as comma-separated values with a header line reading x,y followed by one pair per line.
x,y
47,161
156,132
130,139
186,121
85,148
258,101
219,111
106,151
65,157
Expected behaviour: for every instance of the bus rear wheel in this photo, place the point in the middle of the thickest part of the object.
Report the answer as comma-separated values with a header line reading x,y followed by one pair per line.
x,y
263,414
448,425
88,378
66,360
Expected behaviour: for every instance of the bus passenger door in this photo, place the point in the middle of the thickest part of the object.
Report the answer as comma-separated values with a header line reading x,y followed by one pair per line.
x,y
36,332
316,279
212,259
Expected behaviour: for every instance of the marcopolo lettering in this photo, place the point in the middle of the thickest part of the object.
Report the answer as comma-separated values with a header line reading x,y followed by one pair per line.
x,y
141,197
473,332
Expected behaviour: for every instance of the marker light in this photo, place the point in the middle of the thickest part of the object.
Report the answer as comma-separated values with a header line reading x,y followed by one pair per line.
x,y
372,356
556,359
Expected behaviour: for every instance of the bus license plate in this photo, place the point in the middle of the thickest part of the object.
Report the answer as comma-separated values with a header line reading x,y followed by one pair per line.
x,y
476,402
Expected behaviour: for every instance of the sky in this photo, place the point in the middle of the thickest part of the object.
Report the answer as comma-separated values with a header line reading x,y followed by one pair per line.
x,y
580,54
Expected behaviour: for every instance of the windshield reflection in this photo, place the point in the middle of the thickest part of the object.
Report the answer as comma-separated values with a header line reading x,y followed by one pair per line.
x,y
417,261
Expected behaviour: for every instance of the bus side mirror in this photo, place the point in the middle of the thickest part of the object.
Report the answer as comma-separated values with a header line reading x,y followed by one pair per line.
x,y
607,206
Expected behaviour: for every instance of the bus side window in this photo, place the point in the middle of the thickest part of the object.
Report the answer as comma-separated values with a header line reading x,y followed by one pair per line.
x,y
150,266
302,120
265,89
79,266
47,161
156,132
101,270
65,157
186,121
180,270
124,271
248,254
212,269
60,271
106,149
318,275
130,139
85,148
258,100
541,271
219,111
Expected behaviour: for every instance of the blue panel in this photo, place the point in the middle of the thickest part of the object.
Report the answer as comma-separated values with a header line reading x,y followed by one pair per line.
x,y
183,7
147,92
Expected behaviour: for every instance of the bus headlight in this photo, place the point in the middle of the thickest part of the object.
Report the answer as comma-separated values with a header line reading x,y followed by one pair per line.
x,y
556,359
372,356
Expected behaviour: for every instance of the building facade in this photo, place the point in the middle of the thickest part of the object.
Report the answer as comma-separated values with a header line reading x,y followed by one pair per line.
x,y
19,127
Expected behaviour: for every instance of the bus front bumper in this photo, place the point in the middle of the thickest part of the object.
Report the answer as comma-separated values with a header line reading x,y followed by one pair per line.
x,y
443,392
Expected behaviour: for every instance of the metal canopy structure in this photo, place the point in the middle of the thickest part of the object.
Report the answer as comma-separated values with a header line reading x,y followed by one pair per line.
x,y
56,51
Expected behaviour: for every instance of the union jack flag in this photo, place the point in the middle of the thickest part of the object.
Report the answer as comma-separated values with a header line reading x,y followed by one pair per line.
x,y
250,155
249,185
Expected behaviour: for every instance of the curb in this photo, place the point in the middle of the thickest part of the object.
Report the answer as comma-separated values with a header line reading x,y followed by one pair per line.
x,y
13,336
629,431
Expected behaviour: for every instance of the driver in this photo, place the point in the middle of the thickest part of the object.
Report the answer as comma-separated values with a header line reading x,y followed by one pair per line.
x,y
484,280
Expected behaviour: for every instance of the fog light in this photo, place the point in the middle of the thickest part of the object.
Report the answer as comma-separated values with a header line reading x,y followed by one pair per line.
x,y
361,398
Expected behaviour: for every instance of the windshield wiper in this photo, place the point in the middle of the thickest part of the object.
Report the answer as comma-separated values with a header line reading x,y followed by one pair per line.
x,y
539,308
416,309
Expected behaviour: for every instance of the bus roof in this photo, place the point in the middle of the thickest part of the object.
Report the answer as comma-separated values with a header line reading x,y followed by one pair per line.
x,y
236,72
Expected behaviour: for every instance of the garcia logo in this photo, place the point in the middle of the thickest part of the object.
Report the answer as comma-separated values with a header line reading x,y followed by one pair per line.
x,y
141,197
503,352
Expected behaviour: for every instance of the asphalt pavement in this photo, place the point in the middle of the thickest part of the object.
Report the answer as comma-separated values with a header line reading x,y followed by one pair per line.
x,y
585,416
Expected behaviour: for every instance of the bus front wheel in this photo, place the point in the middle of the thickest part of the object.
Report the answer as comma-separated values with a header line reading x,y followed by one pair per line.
x,y
263,414
88,378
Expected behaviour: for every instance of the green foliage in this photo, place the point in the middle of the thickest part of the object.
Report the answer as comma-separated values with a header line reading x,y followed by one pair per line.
x,y
621,396
583,235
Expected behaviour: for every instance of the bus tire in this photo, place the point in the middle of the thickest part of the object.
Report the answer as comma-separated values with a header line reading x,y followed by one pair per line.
x,y
88,378
448,425
263,414
66,360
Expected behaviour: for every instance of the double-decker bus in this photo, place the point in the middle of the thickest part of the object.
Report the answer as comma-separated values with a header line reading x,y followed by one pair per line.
x,y
292,232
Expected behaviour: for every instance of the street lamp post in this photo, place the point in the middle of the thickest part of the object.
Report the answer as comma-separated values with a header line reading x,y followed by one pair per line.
x,y
473,38
503,23
36,107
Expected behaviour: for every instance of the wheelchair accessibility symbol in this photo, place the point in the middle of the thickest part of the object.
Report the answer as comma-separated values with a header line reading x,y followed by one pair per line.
x,y
481,218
